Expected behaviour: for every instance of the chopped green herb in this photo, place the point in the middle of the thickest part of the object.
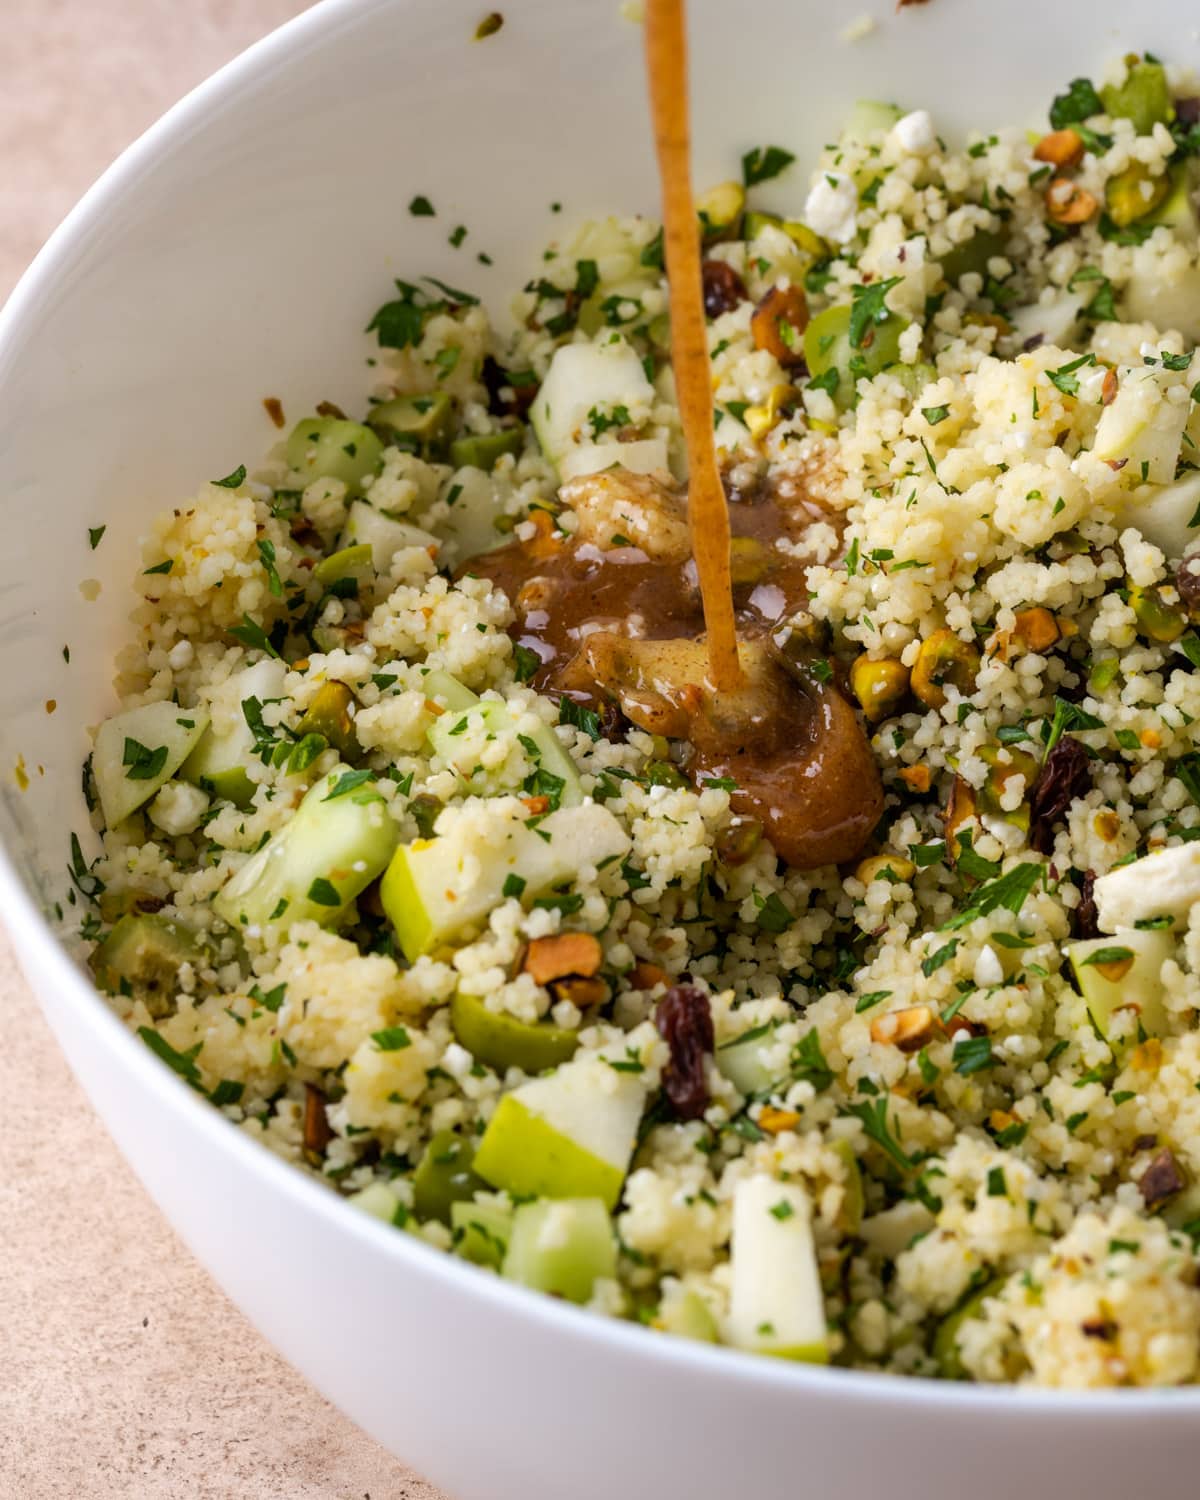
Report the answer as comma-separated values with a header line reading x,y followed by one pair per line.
x,y
763,163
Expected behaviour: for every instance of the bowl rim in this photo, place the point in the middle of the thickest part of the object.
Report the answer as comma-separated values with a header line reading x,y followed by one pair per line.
x,y
622,1339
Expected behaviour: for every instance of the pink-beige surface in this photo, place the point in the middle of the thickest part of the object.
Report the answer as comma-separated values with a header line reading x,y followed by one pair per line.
x,y
126,1374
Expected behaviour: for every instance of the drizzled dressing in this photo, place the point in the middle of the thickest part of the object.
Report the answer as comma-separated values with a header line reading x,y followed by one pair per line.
x,y
640,608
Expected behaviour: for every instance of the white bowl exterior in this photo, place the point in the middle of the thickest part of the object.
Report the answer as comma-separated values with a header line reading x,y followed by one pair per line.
x,y
235,253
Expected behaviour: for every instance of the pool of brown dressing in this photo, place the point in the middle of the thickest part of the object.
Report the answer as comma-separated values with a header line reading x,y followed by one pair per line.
x,y
613,615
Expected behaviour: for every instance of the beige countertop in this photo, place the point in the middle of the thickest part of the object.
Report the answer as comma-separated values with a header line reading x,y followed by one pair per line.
x,y
126,1374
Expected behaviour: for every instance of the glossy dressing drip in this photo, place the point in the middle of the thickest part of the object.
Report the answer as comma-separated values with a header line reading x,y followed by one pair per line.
x,y
708,515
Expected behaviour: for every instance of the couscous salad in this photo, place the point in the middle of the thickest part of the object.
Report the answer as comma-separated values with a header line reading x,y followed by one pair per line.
x,y
850,1016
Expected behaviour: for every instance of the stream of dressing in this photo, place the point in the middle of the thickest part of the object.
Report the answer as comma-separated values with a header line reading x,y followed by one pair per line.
x,y
708,515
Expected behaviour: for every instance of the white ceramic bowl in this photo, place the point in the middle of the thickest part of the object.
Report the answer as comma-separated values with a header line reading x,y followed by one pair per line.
x,y
235,252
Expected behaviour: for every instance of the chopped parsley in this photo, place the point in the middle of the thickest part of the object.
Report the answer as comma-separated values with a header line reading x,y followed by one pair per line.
x,y
763,163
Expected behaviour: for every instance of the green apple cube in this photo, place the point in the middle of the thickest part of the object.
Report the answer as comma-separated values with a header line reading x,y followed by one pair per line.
x,y
384,534
481,1230
569,1135
1163,884
463,708
138,751
1142,427
501,1041
562,1247
1124,972
688,1316
744,1060
776,1305
583,378
380,1202
642,456
437,888
218,761
1167,515
337,841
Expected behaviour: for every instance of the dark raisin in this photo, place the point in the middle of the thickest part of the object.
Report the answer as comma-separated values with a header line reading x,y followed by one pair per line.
x,y
1100,1328
685,1023
1084,919
504,398
723,287
614,726
1187,111
1162,1179
1065,775
1187,581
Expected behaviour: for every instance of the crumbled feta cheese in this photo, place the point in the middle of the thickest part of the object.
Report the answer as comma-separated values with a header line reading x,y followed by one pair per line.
x,y
831,208
914,133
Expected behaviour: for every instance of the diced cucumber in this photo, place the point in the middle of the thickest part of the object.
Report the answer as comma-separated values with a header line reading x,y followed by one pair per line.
x,y
138,751
973,255
334,845
501,1041
583,378
446,729
380,1202
868,119
436,888
1054,321
444,1176
776,1305
570,1134
744,1060
481,450
1123,972
334,448
383,534
1168,301
827,346
481,1231
1165,514
218,761
643,456
473,509
447,692
143,954
1142,428
419,424
561,1247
